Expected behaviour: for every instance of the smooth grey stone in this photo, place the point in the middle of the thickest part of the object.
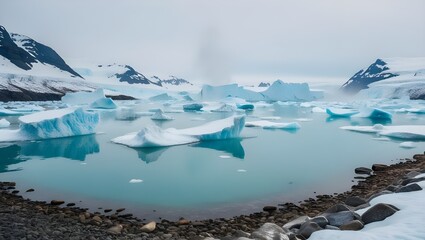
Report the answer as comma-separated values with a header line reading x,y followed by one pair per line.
x,y
320,220
363,170
270,231
339,218
354,201
337,208
412,180
308,228
409,188
353,225
296,222
378,213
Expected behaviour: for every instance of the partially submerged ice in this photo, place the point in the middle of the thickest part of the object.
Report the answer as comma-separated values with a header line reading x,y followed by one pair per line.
x,y
225,108
156,137
160,116
373,113
52,124
4,123
278,91
95,99
193,107
273,125
341,112
416,132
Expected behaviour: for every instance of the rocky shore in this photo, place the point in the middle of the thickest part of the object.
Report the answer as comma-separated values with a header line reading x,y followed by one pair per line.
x,y
24,219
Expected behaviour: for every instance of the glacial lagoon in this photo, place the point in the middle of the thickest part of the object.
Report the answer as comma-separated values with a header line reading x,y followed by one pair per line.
x,y
205,179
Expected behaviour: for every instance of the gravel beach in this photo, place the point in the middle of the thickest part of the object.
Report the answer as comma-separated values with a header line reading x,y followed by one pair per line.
x,y
24,219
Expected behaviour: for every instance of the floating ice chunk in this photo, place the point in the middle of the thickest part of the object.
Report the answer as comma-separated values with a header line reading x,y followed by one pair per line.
x,y
209,92
155,137
162,97
103,103
341,112
407,145
28,109
416,110
245,106
273,125
193,107
318,110
400,131
160,116
270,118
7,112
4,123
384,139
125,113
225,108
373,113
81,98
280,91
135,180
224,156
241,170
52,124
303,119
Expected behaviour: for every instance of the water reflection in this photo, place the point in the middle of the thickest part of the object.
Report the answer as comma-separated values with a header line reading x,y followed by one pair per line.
x,y
10,155
230,146
73,148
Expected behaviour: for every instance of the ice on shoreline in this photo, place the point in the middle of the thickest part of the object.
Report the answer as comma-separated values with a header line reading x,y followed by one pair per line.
x,y
156,137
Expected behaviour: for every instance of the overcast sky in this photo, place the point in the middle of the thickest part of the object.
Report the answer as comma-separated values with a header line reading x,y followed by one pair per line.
x,y
225,40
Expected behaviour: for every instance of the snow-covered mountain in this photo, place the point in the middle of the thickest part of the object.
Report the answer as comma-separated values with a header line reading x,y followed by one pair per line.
x,y
30,70
390,78
115,74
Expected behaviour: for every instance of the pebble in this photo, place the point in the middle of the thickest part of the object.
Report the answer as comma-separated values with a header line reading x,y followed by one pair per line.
x,y
149,227
57,202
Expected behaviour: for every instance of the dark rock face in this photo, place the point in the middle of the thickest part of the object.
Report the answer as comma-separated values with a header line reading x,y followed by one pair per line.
x,y
15,54
355,201
353,225
263,84
378,213
379,167
31,52
308,228
43,53
131,76
363,78
173,81
363,170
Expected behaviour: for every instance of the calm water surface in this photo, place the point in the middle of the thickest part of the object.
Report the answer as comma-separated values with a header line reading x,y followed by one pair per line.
x,y
202,180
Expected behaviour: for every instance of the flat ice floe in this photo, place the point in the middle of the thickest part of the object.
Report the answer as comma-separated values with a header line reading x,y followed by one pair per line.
x,y
4,123
405,224
272,125
52,124
416,132
156,137
373,113
341,112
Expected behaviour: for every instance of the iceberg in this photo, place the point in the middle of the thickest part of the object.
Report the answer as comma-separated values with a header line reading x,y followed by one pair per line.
x,y
7,112
278,91
83,98
154,136
273,125
373,113
281,91
4,123
193,107
341,112
225,108
416,132
160,116
125,113
162,97
52,124
245,106
103,103
407,145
